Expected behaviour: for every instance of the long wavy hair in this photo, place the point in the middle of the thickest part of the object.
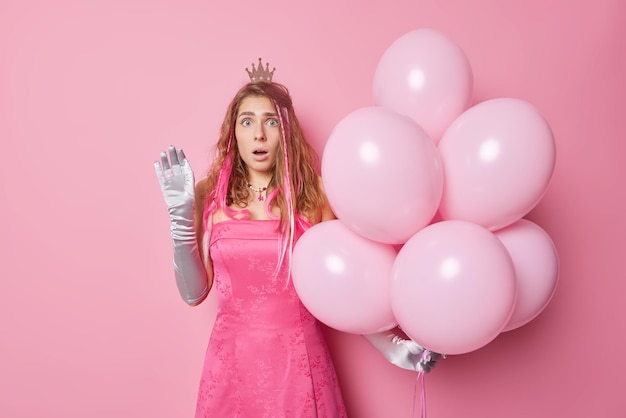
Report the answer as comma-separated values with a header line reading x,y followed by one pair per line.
x,y
294,187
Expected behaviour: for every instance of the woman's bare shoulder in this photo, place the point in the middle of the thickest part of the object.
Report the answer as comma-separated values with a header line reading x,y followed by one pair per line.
x,y
201,185
202,189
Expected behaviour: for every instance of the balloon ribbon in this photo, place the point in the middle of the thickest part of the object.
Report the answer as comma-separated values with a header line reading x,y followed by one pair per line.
x,y
422,387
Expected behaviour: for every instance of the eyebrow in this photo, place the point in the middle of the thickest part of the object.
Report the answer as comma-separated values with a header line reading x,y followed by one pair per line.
x,y
248,113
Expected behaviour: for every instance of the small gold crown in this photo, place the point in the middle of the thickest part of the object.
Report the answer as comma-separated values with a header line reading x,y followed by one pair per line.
x,y
260,74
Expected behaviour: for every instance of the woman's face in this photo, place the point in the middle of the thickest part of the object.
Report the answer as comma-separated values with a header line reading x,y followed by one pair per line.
x,y
257,130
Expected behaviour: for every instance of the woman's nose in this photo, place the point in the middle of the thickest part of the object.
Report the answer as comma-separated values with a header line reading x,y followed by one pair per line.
x,y
259,134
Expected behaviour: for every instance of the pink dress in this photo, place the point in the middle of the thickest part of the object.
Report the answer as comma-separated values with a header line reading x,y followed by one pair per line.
x,y
267,356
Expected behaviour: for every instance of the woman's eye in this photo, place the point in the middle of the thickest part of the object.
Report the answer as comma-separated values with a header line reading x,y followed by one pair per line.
x,y
246,122
272,122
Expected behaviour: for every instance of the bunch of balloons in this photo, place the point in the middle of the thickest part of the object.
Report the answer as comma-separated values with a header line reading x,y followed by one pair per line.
x,y
430,192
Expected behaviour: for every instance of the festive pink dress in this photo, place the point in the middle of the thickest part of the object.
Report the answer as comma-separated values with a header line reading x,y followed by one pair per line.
x,y
267,356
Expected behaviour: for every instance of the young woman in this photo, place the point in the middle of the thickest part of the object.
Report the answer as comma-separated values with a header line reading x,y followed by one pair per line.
x,y
235,229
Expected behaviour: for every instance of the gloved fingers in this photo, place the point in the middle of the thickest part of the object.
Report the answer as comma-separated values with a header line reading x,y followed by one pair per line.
x,y
170,167
431,359
413,347
180,155
177,158
165,162
173,155
423,367
163,169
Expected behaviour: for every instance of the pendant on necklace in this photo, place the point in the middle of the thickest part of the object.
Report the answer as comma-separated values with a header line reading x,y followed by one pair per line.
x,y
259,190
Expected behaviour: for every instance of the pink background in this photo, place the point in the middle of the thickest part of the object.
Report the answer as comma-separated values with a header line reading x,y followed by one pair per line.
x,y
90,92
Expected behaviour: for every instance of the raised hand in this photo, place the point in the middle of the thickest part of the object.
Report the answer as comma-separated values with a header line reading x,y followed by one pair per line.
x,y
177,182
177,185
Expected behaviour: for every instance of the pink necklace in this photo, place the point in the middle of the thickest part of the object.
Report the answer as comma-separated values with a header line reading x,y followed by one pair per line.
x,y
259,190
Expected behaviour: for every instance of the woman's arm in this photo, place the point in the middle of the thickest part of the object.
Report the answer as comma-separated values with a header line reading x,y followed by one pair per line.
x,y
177,185
202,235
400,350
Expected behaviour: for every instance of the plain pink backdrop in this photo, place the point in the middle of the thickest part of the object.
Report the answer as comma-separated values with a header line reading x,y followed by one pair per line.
x,y
90,92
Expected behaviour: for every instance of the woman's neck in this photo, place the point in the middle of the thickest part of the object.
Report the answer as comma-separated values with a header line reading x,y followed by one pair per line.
x,y
258,181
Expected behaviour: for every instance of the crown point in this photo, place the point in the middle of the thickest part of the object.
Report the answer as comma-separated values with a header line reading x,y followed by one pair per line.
x,y
259,73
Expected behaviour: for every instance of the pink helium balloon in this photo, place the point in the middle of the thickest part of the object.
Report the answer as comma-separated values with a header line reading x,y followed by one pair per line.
x,y
453,287
498,159
382,174
536,269
343,278
426,76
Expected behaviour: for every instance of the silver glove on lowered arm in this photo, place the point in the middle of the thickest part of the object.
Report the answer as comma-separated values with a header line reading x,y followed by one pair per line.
x,y
177,185
403,352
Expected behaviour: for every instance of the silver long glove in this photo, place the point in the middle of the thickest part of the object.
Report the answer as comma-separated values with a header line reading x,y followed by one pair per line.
x,y
177,185
403,352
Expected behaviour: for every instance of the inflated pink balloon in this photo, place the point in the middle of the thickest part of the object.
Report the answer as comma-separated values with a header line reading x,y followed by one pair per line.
x,y
382,174
498,159
343,278
453,287
426,76
536,268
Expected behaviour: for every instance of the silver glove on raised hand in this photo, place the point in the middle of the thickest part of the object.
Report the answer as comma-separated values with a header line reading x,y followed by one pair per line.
x,y
403,352
177,185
